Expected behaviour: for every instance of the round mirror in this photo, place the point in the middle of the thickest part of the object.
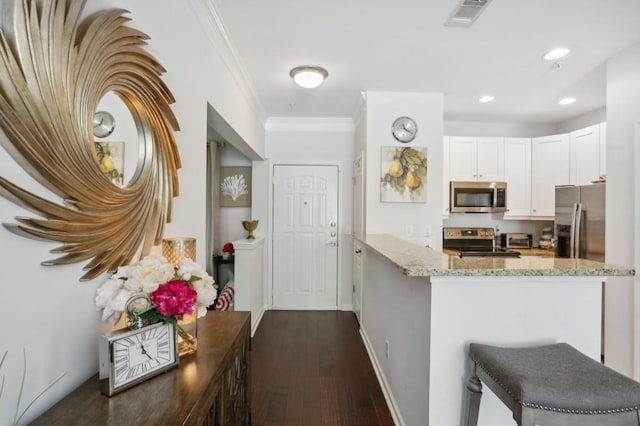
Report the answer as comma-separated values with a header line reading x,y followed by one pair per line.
x,y
116,140
53,136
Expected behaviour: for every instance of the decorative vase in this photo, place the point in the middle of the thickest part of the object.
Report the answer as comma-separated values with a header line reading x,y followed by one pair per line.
x,y
250,226
187,335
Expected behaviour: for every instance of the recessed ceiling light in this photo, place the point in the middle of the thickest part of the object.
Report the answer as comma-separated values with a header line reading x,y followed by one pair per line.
x,y
308,76
566,101
557,53
486,98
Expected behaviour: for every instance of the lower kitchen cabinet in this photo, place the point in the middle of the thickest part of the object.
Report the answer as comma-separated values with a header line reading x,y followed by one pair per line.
x,y
210,387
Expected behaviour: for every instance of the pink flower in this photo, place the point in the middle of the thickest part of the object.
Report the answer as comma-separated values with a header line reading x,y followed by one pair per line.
x,y
174,299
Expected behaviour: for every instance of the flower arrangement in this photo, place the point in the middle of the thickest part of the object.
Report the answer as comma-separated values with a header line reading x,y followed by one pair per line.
x,y
173,292
228,248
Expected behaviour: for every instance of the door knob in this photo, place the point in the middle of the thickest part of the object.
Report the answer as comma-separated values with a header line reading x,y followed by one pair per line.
x,y
358,251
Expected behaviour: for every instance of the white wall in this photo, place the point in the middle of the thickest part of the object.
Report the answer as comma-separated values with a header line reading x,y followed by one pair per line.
x,y
320,140
393,218
47,311
498,129
623,112
582,121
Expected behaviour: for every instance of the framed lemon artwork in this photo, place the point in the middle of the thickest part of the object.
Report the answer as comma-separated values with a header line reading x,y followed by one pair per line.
x,y
110,156
403,174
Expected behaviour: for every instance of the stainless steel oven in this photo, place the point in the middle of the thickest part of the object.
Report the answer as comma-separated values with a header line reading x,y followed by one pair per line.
x,y
478,197
472,242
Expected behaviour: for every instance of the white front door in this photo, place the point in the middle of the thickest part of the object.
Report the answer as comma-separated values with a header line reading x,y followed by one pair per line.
x,y
305,237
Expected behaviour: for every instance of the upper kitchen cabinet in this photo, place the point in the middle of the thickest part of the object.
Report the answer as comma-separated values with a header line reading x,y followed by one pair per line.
x,y
476,159
549,167
585,151
517,174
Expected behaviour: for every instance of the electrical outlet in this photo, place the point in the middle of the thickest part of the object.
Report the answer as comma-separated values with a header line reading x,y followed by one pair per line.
x,y
386,349
408,230
427,230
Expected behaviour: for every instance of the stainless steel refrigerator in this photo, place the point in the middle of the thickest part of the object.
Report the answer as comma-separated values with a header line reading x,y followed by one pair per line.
x,y
580,221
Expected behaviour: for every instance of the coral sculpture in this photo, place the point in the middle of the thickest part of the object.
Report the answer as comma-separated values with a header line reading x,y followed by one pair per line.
x,y
234,186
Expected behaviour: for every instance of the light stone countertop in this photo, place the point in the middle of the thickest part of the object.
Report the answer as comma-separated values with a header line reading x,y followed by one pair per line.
x,y
416,261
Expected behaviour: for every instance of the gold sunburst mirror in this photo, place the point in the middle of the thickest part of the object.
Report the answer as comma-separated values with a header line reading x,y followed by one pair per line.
x,y
54,71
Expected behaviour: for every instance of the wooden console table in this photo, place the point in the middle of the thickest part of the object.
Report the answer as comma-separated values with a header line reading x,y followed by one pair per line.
x,y
210,387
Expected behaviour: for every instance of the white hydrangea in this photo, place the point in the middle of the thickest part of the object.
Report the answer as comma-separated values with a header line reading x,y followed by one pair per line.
x,y
148,274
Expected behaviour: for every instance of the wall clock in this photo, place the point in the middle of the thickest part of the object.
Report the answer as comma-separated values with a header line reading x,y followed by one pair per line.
x,y
404,129
128,357
103,124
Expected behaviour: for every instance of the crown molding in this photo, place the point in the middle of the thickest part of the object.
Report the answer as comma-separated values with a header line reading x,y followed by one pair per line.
x,y
216,31
310,124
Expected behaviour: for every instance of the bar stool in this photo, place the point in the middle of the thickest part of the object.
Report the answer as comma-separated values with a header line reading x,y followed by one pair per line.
x,y
552,385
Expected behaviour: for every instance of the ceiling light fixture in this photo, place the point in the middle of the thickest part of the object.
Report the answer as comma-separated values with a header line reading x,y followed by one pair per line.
x,y
566,101
308,76
557,53
486,98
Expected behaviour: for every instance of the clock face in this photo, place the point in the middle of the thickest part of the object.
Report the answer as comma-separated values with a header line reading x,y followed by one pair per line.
x,y
141,353
404,129
103,124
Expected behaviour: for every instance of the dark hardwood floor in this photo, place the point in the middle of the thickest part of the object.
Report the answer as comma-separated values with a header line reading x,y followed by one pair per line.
x,y
311,368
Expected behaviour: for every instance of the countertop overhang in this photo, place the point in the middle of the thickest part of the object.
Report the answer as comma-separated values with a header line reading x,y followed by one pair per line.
x,y
417,261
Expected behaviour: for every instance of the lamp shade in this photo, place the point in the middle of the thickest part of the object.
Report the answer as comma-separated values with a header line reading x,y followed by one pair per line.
x,y
176,249
308,76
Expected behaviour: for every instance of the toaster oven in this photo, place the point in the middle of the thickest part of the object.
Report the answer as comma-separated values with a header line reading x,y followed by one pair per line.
x,y
509,240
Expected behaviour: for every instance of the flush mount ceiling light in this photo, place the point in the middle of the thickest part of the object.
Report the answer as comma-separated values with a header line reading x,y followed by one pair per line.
x,y
486,98
308,76
557,53
566,101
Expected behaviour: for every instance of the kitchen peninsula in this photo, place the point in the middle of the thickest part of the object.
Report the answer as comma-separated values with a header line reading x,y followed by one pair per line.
x,y
421,308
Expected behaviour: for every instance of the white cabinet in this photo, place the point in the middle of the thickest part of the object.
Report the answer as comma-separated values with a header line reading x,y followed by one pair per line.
x,y
445,176
517,174
476,159
585,155
549,167
603,148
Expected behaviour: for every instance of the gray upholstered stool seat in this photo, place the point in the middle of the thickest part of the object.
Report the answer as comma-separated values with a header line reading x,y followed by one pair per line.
x,y
552,385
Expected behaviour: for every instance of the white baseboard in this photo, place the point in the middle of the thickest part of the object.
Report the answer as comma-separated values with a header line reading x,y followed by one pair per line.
x,y
256,321
347,307
386,390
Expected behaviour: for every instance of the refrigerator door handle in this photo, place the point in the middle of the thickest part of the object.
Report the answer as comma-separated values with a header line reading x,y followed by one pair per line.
x,y
572,235
578,230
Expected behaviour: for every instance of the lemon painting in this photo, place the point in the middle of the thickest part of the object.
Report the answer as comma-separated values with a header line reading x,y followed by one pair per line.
x,y
110,156
403,174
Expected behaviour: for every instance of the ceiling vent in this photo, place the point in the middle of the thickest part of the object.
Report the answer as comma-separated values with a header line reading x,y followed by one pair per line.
x,y
466,12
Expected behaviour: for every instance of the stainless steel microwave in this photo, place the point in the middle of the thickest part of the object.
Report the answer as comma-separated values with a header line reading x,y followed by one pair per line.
x,y
478,197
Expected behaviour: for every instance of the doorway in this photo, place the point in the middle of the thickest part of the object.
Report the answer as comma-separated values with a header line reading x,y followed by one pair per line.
x,y
305,237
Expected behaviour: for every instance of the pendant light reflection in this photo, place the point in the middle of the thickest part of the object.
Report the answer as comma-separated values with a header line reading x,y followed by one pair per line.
x,y
308,76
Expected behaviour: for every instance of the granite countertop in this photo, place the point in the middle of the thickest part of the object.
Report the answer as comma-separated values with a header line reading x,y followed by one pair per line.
x,y
416,261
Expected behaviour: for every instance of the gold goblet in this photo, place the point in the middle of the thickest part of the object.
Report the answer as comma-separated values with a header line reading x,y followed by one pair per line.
x,y
250,226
